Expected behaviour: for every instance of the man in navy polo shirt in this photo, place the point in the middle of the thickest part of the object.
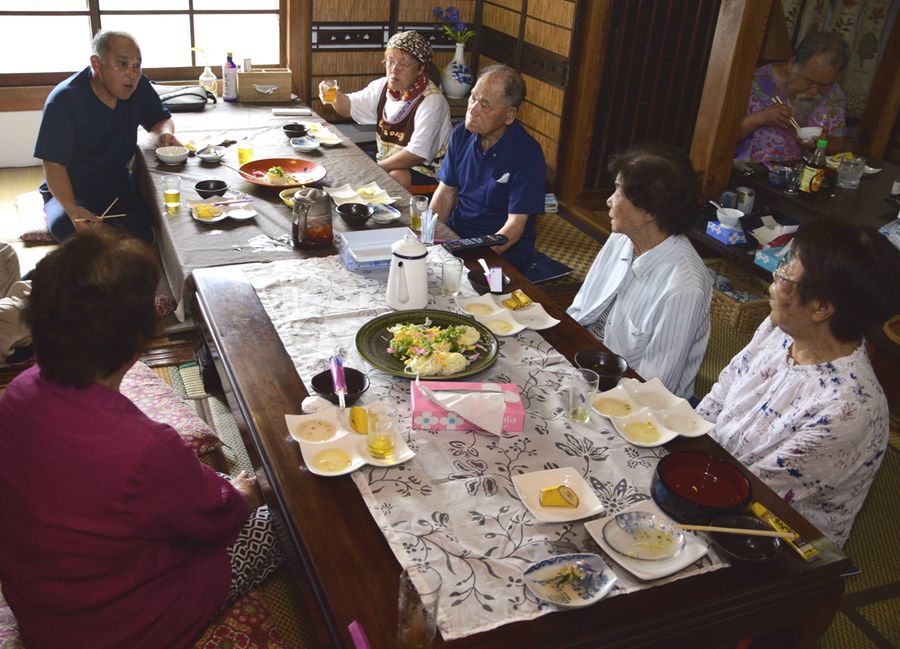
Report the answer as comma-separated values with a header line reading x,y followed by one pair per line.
x,y
492,179
88,136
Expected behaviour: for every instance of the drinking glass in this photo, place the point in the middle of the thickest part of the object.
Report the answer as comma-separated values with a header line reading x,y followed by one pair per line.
x,y
417,607
245,152
581,389
382,431
329,96
451,276
850,171
172,193
793,183
417,206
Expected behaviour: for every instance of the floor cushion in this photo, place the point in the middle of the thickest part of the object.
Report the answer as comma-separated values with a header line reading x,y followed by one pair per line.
x,y
32,220
245,624
158,401
9,630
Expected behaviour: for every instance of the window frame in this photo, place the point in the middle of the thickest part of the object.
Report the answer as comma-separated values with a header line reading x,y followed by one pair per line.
x,y
162,74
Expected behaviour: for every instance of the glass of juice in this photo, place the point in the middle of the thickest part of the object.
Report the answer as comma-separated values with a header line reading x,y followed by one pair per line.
x,y
245,151
382,432
172,193
329,95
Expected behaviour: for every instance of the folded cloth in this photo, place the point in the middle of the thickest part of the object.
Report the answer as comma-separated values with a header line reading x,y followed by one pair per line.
x,y
484,409
301,112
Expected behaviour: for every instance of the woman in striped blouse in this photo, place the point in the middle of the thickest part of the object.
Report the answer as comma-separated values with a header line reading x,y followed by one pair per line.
x,y
647,294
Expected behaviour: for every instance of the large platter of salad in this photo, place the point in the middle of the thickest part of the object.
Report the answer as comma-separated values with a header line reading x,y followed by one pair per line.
x,y
282,172
436,344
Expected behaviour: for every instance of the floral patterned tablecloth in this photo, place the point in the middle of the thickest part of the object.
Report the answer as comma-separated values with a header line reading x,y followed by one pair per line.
x,y
454,506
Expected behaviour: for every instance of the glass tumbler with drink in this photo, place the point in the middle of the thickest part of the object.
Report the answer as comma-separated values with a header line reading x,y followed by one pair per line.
x,y
417,607
382,431
582,387
245,151
330,91
417,206
850,172
451,276
172,193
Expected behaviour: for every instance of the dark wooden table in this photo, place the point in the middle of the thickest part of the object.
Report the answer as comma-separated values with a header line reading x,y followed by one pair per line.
x,y
352,571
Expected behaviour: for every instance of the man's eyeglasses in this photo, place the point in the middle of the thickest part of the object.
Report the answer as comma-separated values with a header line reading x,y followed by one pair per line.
x,y
403,66
781,268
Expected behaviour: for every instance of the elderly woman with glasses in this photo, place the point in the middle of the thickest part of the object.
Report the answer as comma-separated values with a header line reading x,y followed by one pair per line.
x,y
800,406
412,117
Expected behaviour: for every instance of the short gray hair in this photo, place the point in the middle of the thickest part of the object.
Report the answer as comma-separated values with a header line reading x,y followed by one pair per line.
x,y
835,49
100,44
513,83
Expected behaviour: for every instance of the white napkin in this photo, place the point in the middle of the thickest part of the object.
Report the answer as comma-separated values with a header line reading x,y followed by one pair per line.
x,y
771,230
302,112
484,409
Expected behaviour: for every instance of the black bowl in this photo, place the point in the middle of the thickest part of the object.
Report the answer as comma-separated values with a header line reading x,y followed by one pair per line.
x,y
608,366
355,213
479,282
754,549
210,188
357,383
697,487
294,130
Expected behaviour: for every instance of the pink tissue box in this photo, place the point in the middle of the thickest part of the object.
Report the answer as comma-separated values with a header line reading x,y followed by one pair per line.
x,y
428,416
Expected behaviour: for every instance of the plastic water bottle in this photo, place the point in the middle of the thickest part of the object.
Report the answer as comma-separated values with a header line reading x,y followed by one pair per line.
x,y
229,80
208,81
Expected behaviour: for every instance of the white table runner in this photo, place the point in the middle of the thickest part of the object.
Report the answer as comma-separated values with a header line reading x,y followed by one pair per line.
x,y
453,506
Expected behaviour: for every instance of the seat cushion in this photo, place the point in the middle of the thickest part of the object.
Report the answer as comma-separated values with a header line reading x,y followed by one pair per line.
x,y
247,623
32,220
9,630
159,401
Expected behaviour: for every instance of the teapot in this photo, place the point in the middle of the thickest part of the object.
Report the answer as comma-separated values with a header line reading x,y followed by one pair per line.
x,y
311,223
407,286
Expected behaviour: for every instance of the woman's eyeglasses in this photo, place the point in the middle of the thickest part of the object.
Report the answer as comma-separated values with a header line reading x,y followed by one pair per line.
x,y
403,66
780,269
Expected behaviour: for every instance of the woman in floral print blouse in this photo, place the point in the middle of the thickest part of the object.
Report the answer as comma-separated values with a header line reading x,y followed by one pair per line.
x,y
800,406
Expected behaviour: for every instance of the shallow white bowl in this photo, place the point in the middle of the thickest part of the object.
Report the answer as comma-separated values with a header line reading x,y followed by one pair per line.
x,y
809,132
729,216
172,155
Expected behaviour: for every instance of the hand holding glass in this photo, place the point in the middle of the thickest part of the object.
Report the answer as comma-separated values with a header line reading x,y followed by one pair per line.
x,y
329,89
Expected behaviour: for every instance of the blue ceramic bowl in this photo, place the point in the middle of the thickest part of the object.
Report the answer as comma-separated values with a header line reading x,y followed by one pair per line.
x,y
696,487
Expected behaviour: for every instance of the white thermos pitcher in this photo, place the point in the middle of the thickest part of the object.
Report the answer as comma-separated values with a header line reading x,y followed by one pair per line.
x,y
407,286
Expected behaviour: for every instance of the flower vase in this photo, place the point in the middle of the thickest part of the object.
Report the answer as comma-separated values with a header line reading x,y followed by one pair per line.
x,y
456,78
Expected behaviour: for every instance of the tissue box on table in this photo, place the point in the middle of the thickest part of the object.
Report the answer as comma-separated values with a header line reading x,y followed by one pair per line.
x,y
768,258
428,416
725,233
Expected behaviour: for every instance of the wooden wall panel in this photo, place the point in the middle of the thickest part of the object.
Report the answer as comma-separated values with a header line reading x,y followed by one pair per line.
x,y
332,63
548,97
549,146
357,11
515,5
501,19
558,12
549,37
539,119
420,11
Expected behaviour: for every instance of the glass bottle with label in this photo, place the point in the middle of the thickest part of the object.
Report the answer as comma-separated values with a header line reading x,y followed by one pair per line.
x,y
229,80
208,81
814,170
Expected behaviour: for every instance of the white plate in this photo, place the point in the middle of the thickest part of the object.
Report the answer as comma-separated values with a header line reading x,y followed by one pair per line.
x,y
682,419
501,323
694,548
382,213
356,448
870,170
297,423
237,212
619,393
326,137
535,317
644,416
541,578
482,305
652,393
529,485
369,194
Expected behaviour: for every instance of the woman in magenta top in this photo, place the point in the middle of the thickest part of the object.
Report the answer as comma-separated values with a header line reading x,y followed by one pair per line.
x,y
114,534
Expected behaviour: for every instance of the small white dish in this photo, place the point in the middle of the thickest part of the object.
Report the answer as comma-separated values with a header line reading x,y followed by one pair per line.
x,y
304,144
213,219
315,428
481,305
241,213
615,402
211,154
535,317
643,429
382,213
501,323
326,137
652,393
682,419
870,170
529,485
570,580
348,452
644,536
694,548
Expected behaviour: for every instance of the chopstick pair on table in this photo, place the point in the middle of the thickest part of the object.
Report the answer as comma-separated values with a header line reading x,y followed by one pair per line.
x,y
105,214
777,100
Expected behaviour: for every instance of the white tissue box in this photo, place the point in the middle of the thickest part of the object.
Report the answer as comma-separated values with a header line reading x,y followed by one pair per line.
x,y
428,416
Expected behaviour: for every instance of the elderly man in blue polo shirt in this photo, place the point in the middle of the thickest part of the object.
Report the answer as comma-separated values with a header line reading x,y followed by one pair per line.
x,y
492,179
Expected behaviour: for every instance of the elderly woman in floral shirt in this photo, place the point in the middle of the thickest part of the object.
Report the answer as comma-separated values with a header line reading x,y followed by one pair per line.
x,y
800,405
806,86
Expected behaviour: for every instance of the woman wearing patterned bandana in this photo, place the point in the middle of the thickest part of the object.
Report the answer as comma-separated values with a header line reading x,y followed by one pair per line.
x,y
409,110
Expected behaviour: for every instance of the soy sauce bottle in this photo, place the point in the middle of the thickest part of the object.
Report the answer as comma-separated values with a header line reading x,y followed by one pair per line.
x,y
813,172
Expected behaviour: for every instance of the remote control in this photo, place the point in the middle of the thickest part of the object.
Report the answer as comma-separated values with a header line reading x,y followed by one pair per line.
x,y
485,241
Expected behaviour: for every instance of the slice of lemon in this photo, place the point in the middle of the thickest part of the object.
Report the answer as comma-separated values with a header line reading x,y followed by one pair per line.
x,y
359,420
559,496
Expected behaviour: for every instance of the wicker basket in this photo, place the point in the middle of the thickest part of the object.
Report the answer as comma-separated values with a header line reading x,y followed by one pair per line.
x,y
732,323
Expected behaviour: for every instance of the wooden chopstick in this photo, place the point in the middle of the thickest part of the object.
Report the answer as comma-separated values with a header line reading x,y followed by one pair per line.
x,y
735,530
110,206
104,216
777,100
